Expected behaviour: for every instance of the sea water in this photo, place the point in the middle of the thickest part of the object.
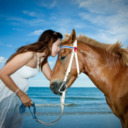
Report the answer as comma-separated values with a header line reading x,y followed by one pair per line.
x,y
78,101
84,108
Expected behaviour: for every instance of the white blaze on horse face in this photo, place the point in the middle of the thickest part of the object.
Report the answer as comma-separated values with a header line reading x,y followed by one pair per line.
x,y
55,48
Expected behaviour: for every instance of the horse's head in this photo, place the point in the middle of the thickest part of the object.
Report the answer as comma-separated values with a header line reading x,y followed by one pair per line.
x,y
62,63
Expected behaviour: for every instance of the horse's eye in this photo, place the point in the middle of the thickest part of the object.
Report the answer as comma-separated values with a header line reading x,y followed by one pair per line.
x,y
62,57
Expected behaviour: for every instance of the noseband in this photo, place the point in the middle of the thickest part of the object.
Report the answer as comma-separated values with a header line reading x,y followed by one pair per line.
x,y
74,52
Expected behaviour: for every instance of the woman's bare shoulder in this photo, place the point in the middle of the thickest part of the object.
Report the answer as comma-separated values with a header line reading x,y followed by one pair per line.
x,y
29,54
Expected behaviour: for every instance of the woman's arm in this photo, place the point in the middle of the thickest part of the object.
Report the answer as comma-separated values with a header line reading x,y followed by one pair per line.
x,y
47,70
12,66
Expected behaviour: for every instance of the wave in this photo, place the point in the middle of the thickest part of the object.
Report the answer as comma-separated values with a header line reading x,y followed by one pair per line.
x,y
69,97
45,97
55,105
70,113
85,98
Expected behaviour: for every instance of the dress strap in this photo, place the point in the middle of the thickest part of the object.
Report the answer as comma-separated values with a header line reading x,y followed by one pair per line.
x,y
41,59
38,62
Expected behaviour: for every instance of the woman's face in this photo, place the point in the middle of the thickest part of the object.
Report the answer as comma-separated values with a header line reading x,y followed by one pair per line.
x,y
56,47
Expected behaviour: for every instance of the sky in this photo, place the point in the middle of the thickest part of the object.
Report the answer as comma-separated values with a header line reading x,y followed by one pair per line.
x,y
23,21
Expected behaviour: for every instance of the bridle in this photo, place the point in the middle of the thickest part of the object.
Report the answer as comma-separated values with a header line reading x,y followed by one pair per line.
x,y
62,98
74,52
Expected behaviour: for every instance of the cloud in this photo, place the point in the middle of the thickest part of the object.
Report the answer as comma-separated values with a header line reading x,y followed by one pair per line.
x,y
51,62
6,45
36,32
66,24
32,14
100,6
49,4
9,45
82,75
109,17
18,21
1,43
2,60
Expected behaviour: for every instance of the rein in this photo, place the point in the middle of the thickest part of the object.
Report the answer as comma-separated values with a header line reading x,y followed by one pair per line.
x,y
62,98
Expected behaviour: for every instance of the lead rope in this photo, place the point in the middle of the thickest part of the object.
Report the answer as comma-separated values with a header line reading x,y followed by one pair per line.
x,y
62,101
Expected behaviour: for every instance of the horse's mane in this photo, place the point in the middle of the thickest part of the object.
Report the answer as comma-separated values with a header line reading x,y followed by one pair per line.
x,y
115,48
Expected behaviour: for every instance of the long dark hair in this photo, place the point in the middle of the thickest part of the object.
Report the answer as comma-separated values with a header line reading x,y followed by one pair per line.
x,y
44,44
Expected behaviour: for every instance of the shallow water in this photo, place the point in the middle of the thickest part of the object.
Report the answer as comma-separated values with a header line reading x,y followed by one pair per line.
x,y
84,108
78,101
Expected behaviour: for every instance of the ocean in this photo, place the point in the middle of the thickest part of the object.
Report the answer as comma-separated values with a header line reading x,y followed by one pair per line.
x,y
84,108
77,101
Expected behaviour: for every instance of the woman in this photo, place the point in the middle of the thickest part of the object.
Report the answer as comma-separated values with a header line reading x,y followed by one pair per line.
x,y
22,65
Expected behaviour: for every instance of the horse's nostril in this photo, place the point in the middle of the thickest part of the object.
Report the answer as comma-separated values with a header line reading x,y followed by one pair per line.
x,y
55,87
52,86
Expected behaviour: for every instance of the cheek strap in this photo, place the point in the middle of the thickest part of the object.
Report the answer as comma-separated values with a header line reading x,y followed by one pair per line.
x,y
74,52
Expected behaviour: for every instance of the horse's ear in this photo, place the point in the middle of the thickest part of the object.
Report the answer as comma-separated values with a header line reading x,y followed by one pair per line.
x,y
72,37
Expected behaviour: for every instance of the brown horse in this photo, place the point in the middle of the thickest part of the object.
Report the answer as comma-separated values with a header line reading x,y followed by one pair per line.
x,y
105,64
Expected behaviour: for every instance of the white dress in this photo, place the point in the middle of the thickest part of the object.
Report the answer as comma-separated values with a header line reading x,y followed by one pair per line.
x,y
10,117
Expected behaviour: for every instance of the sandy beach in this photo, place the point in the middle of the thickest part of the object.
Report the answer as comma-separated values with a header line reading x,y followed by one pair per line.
x,y
75,121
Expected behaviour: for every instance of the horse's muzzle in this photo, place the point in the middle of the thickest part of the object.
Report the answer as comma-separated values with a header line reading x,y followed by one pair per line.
x,y
58,87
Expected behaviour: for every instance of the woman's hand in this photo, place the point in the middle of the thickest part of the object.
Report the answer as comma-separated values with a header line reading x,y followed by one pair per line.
x,y
25,99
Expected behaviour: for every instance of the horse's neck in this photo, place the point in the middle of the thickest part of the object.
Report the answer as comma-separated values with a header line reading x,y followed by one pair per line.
x,y
97,68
